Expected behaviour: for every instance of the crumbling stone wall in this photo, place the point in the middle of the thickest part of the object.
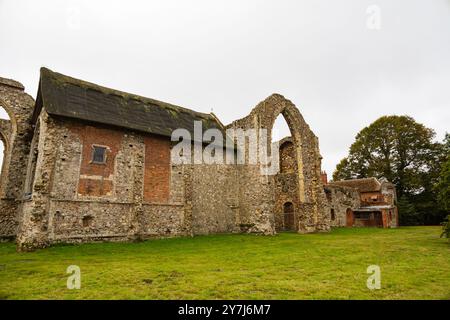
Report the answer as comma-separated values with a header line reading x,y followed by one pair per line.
x,y
286,185
215,199
5,137
59,210
257,201
339,200
202,199
137,193
388,192
5,131
17,137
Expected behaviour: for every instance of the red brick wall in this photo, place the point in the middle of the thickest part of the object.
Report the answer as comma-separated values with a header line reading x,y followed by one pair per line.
x,y
157,169
367,197
324,177
97,179
349,217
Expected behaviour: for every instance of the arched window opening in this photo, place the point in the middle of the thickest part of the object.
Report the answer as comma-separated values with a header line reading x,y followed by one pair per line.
x,y
288,207
3,114
282,133
5,131
280,129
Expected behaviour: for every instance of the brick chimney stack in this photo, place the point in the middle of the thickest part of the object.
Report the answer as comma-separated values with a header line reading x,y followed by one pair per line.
x,y
324,177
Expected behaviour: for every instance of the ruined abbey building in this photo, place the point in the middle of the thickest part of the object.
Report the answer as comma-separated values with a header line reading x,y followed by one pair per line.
x,y
87,163
365,202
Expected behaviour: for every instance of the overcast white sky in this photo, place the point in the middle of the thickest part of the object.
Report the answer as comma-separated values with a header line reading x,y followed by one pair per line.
x,y
228,55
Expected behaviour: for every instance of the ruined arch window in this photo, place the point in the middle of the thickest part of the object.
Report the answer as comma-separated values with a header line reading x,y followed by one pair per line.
x,y
5,125
282,133
3,114
333,215
280,128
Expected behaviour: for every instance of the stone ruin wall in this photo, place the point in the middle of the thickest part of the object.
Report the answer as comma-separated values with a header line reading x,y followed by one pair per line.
x,y
70,205
56,197
16,135
258,200
286,183
340,199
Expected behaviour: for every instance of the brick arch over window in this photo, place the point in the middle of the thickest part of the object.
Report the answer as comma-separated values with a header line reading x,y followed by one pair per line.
x,y
311,197
16,134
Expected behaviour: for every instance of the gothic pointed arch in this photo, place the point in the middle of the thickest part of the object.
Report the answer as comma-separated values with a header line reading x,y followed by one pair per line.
x,y
310,197
16,134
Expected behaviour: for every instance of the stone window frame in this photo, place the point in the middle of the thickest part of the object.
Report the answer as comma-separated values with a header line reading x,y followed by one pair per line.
x,y
105,157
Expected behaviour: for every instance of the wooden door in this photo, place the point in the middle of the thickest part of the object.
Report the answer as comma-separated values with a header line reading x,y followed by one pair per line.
x,y
289,217
349,218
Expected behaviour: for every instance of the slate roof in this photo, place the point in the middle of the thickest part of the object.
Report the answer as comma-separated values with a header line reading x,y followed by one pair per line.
x,y
65,96
363,185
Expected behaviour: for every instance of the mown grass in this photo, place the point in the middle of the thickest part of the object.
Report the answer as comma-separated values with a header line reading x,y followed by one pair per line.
x,y
414,262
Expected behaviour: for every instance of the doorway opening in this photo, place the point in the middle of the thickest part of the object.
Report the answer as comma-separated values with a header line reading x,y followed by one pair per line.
x,y
289,216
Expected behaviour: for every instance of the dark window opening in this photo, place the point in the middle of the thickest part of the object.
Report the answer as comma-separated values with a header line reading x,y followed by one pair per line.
x,y
333,216
87,221
288,207
99,155
362,215
328,195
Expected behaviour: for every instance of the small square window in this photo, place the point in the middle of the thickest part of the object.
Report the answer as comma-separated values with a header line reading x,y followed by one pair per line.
x,y
99,154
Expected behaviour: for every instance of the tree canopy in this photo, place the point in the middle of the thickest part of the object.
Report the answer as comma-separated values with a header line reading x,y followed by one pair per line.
x,y
443,184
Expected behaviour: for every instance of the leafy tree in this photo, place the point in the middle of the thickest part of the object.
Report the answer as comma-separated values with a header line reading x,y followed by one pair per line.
x,y
443,185
408,211
402,151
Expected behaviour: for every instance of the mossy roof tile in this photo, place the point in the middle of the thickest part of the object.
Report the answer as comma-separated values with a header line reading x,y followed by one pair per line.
x,y
65,96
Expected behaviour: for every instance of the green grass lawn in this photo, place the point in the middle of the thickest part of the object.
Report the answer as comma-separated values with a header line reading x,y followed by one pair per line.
x,y
414,262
